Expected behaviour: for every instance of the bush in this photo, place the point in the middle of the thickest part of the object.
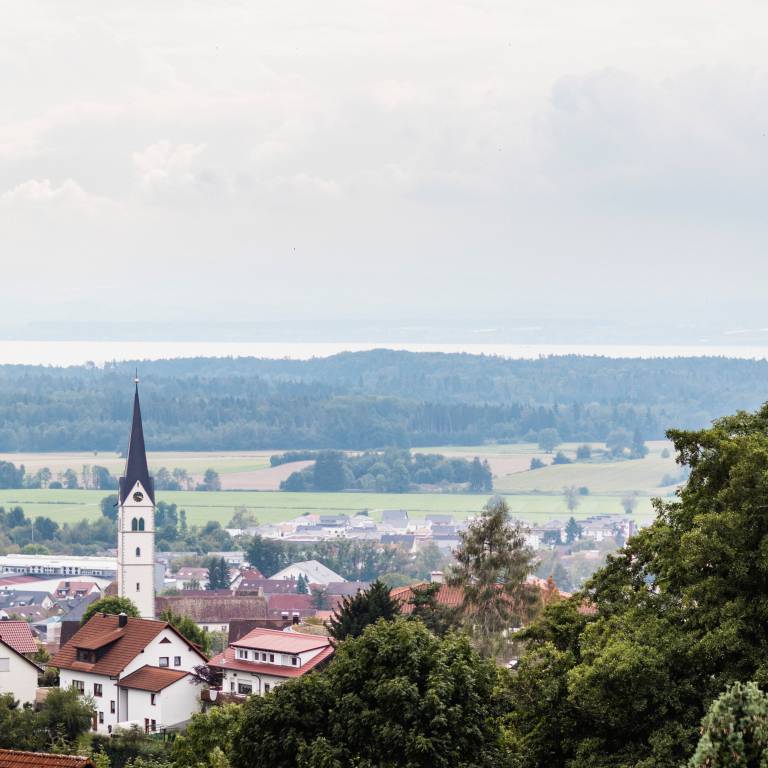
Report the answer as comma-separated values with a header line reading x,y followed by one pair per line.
x,y
537,463
561,458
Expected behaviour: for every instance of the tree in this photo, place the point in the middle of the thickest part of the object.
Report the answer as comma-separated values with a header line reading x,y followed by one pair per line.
x,y
584,452
677,617
302,588
367,607
211,481
549,439
629,503
561,458
187,628
45,529
329,471
10,477
572,497
319,597
492,564
437,618
481,477
65,713
395,696
618,441
735,730
638,449
112,605
537,463
102,479
573,531
218,573
267,555
71,479
206,733
243,518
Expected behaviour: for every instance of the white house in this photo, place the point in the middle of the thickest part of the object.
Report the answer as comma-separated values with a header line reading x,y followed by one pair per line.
x,y
265,658
312,570
136,670
18,675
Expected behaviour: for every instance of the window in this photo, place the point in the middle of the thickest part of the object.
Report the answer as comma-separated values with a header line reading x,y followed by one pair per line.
x,y
263,656
97,689
153,699
266,687
101,717
163,661
5,665
83,655
112,707
244,688
79,686
177,661
153,725
138,586
272,657
138,551
294,661
141,523
242,653
232,686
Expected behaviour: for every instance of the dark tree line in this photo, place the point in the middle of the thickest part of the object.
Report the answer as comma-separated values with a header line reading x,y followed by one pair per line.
x,y
392,471
368,400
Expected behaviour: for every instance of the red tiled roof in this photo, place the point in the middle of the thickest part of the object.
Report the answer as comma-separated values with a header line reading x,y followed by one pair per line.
x,y
448,596
128,642
152,679
281,642
13,758
18,634
227,660
12,580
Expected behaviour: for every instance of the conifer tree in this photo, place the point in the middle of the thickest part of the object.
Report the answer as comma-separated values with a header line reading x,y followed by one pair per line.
x,y
367,607
492,564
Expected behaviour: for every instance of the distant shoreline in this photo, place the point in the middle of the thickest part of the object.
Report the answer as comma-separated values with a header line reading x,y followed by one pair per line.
x,y
63,353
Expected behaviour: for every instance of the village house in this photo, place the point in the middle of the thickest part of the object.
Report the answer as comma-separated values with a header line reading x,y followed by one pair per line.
x,y
18,673
264,658
313,572
138,671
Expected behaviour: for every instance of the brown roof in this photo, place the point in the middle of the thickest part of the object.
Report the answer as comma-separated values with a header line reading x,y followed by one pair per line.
x,y
152,679
451,597
18,634
214,608
126,643
13,758
227,660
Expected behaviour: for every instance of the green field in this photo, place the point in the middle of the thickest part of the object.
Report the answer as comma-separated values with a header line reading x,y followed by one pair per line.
x,y
273,506
533,495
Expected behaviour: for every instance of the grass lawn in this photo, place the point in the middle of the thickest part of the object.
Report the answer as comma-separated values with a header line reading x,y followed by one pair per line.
x,y
273,506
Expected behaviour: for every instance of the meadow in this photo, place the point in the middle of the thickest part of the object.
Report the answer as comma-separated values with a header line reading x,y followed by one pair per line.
x,y
533,495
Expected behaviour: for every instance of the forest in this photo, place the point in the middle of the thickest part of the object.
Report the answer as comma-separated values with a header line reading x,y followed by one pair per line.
x,y
367,400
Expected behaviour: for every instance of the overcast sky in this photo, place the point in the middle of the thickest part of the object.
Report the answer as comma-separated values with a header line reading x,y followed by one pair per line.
x,y
420,163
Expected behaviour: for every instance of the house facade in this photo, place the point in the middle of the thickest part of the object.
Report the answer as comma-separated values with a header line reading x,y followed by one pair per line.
x,y
103,658
265,658
18,674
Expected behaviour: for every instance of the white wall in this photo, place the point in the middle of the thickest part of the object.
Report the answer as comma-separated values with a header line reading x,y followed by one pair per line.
x,y
102,703
190,658
17,676
258,682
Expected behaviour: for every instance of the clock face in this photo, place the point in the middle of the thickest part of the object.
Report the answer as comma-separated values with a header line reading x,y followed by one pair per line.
x,y
138,496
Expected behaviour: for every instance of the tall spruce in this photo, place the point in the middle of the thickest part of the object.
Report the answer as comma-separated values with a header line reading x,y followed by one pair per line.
x,y
364,608
492,564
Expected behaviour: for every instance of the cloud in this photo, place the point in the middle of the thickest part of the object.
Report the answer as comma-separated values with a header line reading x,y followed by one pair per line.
x,y
164,167
43,193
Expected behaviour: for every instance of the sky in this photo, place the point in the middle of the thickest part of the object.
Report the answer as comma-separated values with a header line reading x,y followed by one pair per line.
x,y
516,169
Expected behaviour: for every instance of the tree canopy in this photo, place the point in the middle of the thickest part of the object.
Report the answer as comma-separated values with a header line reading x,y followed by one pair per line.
x,y
359,611
112,604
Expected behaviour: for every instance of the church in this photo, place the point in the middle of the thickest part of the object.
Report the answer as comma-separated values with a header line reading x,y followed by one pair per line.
x,y
136,523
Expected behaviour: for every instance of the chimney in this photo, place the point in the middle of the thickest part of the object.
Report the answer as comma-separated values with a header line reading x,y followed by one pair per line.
x,y
436,577
122,619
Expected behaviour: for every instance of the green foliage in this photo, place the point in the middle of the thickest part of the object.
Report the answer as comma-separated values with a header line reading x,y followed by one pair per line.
x,y
735,730
356,613
64,714
218,573
549,439
390,471
211,481
112,605
438,619
188,629
206,733
573,531
395,696
680,615
108,506
492,564
537,463
302,587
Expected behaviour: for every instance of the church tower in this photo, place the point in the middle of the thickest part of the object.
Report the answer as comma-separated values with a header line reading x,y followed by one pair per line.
x,y
136,523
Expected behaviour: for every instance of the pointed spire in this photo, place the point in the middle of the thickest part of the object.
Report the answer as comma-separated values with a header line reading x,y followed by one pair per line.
x,y
136,468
